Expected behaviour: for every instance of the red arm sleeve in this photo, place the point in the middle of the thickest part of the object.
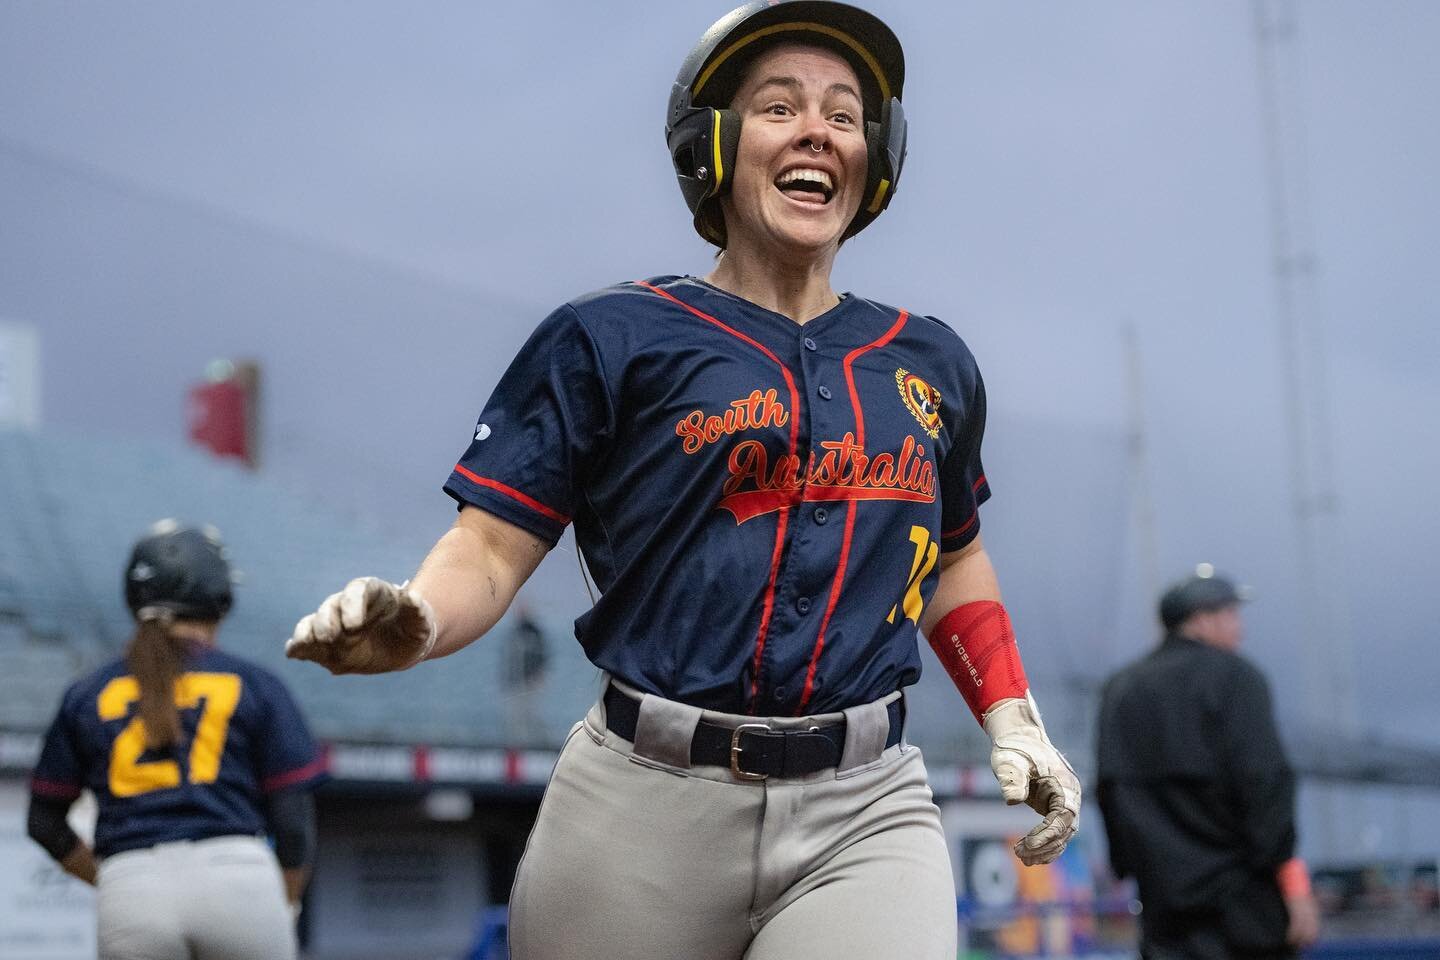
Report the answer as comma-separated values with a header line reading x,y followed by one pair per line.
x,y
976,645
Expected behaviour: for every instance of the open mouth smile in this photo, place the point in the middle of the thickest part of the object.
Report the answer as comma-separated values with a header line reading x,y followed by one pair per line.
x,y
806,185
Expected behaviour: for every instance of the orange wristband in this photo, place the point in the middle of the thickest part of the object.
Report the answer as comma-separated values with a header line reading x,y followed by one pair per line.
x,y
976,645
1293,878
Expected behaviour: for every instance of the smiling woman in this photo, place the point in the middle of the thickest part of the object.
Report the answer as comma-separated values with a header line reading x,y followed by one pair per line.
x,y
706,109
801,160
775,486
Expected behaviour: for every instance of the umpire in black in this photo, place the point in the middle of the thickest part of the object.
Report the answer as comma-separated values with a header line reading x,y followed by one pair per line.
x,y
1197,796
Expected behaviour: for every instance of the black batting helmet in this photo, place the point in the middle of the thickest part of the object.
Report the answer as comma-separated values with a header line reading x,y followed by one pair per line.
x,y
703,134
180,569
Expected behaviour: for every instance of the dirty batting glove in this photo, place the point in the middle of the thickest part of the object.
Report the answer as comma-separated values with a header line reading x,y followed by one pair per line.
x,y
372,626
1031,771
976,644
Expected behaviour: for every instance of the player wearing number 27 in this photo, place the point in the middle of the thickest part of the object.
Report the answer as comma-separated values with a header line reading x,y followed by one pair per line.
x,y
775,485
194,757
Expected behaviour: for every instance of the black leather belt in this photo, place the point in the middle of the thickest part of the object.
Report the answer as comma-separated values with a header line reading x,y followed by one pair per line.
x,y
753,751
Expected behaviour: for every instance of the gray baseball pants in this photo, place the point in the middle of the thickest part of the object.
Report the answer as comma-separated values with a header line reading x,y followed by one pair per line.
x,y
637,855
216,899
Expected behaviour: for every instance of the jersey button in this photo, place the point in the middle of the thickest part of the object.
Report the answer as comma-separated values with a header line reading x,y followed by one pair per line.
x,y
821,516
810,344
803,605
824,392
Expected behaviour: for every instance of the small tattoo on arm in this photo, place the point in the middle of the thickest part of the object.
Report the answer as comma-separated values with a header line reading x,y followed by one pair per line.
x,y
492,587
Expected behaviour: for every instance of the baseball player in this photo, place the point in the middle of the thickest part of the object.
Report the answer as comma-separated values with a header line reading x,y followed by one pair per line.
x,y
774,486
194,756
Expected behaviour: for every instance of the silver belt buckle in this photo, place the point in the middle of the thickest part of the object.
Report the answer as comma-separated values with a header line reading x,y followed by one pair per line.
x,y
735,751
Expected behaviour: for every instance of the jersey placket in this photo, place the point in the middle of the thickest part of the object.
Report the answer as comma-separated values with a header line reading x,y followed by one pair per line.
x,y
811,541
794,446
813,574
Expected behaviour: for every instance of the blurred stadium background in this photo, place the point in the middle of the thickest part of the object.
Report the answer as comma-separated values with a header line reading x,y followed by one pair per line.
x,y
260,266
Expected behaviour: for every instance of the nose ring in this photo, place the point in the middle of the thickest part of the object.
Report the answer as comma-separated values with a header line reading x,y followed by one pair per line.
x,y
817,147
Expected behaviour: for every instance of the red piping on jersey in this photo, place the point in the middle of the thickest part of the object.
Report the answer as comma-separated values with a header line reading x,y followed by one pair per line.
x,y
768,606
974,515
54,789
849,507
282,780
514,494
946,535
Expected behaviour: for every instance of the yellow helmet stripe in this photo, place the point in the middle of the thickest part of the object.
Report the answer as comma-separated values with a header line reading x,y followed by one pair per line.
x,y
819,28
879,195
719,164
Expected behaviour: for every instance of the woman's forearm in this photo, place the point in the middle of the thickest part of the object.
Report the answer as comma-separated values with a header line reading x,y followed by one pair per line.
x,y
472,574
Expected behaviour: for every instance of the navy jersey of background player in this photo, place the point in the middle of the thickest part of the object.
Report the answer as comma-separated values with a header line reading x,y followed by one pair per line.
x,y
241,737
832,462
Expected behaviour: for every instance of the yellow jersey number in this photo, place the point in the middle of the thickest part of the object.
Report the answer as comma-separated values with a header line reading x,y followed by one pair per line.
x,y
215,694
926,552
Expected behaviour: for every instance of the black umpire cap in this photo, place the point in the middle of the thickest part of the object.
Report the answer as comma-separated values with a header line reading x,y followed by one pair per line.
x,y
1200,592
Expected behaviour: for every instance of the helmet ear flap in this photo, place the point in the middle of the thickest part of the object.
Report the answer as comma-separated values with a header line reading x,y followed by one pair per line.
x,y
885,149
729,128
705,144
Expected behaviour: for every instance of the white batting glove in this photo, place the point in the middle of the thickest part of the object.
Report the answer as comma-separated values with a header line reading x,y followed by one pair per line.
x,y
372,626
1031,771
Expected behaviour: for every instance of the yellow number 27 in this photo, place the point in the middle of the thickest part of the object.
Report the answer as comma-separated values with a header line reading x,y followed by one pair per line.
x,y
216,694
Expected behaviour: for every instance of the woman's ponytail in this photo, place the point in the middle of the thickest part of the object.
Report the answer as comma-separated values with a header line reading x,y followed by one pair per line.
x,y
156,657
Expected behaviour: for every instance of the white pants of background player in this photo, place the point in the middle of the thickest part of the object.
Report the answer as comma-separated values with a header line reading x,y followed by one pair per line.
x,y
636,858
217,899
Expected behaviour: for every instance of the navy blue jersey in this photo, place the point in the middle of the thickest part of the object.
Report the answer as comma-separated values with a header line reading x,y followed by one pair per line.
x,y
762,503
241,737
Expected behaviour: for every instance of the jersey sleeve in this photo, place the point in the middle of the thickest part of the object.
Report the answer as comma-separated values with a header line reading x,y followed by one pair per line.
x,y
963,486
59,774
541,432
286,756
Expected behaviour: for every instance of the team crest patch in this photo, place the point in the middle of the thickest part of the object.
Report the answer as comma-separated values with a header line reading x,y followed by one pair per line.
x,y
920,399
